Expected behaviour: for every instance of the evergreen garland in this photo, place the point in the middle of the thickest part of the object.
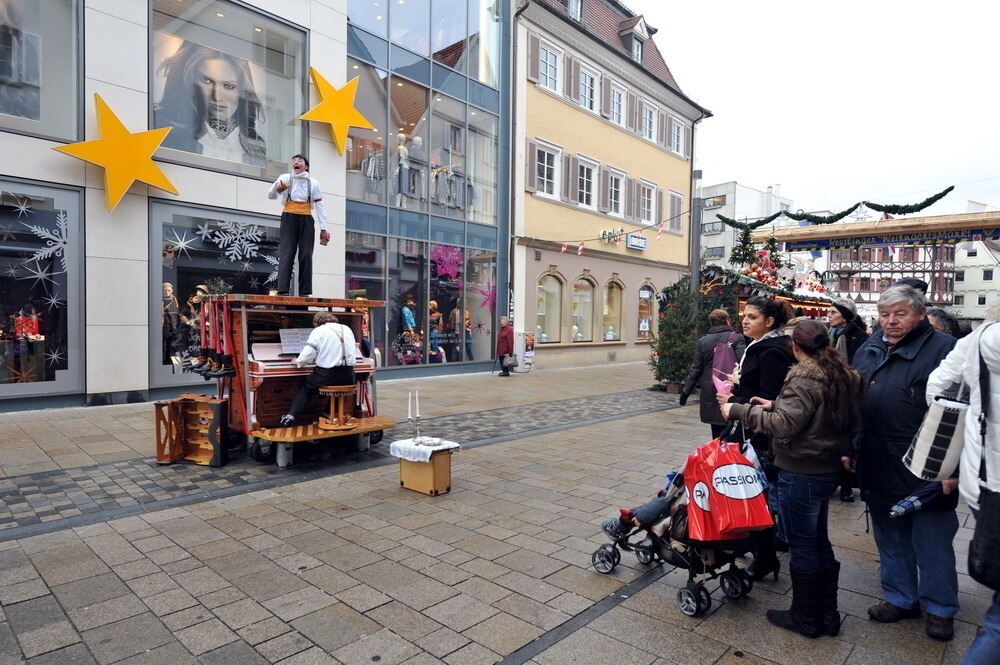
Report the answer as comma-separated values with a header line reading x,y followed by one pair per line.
x,y
891,209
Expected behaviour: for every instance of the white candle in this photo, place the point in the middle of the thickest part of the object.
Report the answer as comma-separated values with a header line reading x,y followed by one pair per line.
x,y
409,405
418,404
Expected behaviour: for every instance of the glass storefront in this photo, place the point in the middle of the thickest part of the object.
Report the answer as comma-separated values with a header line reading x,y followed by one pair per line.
x,y
612,314
582,311
366,159
40,68
230,83
194,252
548,309
41,337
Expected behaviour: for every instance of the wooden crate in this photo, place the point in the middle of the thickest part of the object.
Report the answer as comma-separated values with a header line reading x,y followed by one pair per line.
x,y
193,428
433,477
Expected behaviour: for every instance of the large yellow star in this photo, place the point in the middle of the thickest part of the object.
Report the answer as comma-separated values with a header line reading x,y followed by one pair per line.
x,y
336,108
126,157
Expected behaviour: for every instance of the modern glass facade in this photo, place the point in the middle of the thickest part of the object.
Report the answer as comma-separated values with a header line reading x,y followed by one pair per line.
x,y
424,215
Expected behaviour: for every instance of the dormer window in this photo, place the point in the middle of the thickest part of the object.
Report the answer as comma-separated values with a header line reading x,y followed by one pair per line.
x,y
575,9
637,49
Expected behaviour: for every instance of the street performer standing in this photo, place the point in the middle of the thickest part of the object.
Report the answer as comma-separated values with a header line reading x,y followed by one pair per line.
x,y
333,347
300,194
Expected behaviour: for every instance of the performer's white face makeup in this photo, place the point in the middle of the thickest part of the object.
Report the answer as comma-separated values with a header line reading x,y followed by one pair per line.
x,y
218,83
298,165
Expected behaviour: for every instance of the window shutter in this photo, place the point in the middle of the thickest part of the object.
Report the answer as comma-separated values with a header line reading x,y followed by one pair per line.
x,y
670,133
630,110
531,166
576,80
676,206
605,96
630,198
533,57
661,130
659,206
687,142
567,179
604,193
569,91
574,181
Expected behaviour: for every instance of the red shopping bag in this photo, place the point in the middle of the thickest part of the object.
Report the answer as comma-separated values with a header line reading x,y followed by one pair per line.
x,y
725,496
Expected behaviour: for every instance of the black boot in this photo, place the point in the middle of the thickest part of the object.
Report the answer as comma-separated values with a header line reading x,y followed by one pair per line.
x,y
765,559
828,593
804,616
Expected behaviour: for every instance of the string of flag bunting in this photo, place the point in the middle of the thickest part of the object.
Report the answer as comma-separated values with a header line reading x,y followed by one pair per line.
x,y
615,237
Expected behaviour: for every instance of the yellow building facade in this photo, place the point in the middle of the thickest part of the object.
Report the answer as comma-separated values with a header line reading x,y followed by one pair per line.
x,y
603,172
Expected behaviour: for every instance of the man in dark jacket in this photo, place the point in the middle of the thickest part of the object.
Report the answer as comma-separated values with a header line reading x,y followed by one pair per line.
x,y
719,332
917,566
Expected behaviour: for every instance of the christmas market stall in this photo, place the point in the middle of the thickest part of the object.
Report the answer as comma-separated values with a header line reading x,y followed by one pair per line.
x,y
248,344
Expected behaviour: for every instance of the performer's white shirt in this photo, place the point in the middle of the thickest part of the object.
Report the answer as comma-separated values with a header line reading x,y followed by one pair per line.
x,y
228,148
301,188
331,344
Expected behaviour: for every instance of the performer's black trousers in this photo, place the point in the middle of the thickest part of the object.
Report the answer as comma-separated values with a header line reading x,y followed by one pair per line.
x,y
342,375
297,234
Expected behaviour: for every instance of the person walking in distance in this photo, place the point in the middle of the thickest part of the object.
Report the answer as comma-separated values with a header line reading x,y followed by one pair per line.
x,y
810,425
917,559
301,195
505,344
331,345
719,332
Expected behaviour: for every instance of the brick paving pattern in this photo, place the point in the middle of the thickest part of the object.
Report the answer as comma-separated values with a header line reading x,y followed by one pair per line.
x,y
350,569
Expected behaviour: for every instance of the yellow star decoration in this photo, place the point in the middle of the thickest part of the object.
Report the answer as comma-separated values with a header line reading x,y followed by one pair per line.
x,y
126,157
336,108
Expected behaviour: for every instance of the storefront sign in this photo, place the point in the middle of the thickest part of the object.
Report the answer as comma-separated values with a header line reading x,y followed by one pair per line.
x,y
636,241
611,237
912,238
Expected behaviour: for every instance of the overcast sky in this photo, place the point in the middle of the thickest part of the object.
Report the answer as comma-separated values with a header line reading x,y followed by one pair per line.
x,y
884,100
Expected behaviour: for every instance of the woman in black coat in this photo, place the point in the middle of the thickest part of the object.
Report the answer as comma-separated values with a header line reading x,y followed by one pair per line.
x,y
761,373
719,332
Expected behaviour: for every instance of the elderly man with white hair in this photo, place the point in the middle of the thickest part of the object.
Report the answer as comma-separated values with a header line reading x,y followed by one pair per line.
x,y
917,560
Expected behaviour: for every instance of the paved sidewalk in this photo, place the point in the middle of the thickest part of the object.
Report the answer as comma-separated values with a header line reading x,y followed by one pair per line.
x,y
352,569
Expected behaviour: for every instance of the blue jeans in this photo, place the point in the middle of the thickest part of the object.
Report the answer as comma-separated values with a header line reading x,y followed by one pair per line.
x,y
804,502
986,649
920,542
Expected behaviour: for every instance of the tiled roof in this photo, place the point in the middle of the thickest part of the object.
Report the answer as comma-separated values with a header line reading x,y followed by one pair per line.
x,y
603,20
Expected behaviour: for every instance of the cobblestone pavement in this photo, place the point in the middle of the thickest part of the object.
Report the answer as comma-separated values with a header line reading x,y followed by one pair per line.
x,y
49,496
349,568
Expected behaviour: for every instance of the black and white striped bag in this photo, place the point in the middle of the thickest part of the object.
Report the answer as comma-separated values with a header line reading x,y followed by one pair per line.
x,y
937,447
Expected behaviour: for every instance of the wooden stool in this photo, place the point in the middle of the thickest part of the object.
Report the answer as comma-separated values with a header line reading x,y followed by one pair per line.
x,y
341,406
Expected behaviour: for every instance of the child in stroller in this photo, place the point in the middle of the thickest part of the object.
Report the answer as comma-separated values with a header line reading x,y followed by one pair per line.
x,y
662,524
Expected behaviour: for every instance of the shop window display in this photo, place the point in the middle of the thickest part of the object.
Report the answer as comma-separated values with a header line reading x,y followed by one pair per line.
x,y
367,172
203,252
482,145
364,259
408,164
39,74
612,312
445,317
645,325
229,82
548,312
447,152
39,299
406,301
583,311
481,318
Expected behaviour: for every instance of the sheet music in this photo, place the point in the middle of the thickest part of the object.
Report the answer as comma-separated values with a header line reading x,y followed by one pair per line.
x,y
293,339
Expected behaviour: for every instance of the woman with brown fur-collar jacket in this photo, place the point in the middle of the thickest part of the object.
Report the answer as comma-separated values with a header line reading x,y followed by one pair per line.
x,y
810,425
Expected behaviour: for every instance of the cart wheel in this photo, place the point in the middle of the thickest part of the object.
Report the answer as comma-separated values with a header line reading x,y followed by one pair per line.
x,y
687,602
731,583
746,582
644,552
704,599
376,436
603,559
263,451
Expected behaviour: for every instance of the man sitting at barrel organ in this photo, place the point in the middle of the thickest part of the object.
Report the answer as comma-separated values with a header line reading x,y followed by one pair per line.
x,y
333,348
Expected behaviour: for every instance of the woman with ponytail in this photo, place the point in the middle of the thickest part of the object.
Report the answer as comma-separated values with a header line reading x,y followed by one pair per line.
x,y
810,426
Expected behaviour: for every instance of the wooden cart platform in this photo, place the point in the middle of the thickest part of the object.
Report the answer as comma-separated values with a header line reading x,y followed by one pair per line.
x,y
299,433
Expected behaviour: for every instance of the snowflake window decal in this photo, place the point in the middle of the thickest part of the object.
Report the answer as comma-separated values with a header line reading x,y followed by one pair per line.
x,y
54,242
238,241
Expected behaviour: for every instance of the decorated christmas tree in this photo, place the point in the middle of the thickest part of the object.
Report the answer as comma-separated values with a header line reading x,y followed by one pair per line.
x,y
673,347
773,248
744,251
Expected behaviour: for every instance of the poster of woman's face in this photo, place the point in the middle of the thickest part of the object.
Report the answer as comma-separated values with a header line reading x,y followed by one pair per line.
x,y
210,101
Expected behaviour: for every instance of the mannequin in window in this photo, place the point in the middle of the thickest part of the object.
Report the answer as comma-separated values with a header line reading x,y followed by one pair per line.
x,y
417,161
402,179
435,325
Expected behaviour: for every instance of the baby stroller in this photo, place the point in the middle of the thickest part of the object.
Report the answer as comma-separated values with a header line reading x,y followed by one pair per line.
x,y
662,536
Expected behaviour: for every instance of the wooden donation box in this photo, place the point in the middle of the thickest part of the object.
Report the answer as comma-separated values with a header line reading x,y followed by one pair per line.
x,y
424,464
192,428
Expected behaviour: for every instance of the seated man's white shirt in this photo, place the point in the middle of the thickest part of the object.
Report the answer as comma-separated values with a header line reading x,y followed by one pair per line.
x,y
330,345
